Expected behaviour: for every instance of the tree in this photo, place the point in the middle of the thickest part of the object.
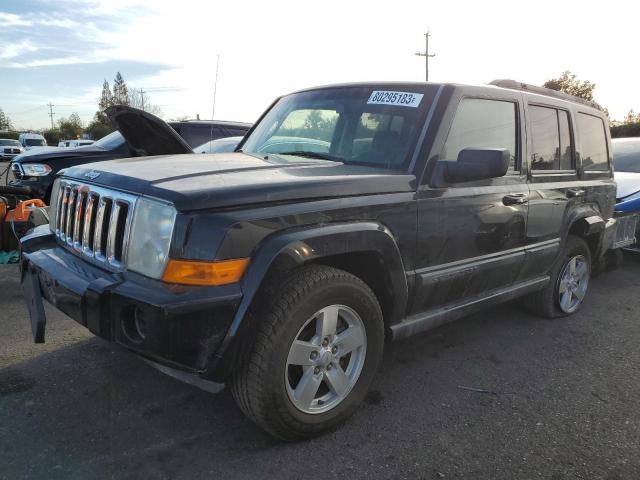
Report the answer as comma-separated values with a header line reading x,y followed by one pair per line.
x,y
5,121
99,126
120,91
313,120
569,83
70,128
632,117
106,98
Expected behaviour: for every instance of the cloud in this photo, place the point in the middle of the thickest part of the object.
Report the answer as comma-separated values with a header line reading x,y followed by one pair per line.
x,y
35,33
14,50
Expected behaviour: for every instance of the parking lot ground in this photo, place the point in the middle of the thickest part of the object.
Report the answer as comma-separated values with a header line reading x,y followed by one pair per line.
x,y
499,395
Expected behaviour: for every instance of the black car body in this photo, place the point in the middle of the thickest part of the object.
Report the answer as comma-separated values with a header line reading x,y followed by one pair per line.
x,y
139,134
435,199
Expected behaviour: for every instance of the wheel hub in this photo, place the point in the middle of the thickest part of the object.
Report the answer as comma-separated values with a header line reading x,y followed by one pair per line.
x,y
325,359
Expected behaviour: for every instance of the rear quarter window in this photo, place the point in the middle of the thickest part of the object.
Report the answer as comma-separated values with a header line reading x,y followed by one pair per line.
x,y
593,143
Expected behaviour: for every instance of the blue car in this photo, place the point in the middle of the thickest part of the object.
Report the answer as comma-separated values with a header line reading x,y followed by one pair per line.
x,y
626,160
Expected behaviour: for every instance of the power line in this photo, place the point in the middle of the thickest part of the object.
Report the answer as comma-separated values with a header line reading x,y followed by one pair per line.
x,y
142,92
426,55
215,88
51,114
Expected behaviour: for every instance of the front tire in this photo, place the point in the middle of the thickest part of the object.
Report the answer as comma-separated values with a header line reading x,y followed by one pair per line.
x,y
569,282
317,345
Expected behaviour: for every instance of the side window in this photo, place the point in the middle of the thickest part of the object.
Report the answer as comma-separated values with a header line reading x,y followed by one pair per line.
x,y
550,139
593,143
481,123
545,138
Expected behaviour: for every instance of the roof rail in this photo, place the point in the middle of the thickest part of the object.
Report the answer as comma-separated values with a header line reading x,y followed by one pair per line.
x,y
515,85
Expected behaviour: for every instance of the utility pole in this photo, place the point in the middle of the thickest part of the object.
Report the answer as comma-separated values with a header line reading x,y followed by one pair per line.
x,y
426,55
142,92
51,114
215,88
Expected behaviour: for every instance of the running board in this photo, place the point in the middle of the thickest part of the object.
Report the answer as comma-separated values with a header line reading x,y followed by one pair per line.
x,y
434,318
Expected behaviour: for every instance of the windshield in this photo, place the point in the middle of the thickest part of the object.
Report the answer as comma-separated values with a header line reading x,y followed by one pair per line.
x,y
111,141
218,146
34,142
13,143
626,155
374,126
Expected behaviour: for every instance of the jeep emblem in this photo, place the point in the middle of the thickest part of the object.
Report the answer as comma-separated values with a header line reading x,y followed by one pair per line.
x,y
92,174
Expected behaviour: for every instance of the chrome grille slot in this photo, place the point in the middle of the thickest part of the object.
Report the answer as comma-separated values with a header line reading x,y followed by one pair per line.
x,y
94,222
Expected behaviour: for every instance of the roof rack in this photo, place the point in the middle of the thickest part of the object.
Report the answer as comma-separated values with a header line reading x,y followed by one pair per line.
x,y
515,85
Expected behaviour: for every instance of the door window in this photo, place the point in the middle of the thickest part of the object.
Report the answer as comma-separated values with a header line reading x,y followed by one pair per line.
x,y
481,123
593,143
550,139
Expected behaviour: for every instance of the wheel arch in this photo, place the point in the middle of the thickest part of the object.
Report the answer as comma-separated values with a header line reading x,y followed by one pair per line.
x,y
368,250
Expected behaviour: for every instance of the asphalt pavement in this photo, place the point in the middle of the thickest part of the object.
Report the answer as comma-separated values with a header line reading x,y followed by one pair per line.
x,y
499,395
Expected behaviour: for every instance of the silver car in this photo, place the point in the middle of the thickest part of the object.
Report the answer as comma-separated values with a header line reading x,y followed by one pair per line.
x,y
9,148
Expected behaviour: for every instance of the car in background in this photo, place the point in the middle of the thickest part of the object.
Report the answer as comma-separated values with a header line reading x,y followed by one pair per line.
x,y
9,148
220,145
32,140
74,143
197,132
139,134
626,161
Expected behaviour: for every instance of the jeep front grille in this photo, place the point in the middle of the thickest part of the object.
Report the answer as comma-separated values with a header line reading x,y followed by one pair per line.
x,y
94,221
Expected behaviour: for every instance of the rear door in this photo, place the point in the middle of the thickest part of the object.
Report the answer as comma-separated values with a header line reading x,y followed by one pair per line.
x,y
555,186
471,235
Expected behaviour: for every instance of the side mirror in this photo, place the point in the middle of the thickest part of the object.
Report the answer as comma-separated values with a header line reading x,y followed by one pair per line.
x,y
475,164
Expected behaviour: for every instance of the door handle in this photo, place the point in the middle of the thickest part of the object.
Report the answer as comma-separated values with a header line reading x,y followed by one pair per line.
x,y
575,192
515,199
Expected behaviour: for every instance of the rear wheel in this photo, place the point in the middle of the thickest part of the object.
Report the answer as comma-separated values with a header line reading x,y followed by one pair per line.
x,y
318,344
569,282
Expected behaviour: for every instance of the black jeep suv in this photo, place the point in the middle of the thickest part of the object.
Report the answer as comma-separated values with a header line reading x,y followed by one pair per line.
x,y
348,215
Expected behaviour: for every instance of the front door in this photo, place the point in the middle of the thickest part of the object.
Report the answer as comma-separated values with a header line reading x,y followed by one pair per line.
x,y
471,236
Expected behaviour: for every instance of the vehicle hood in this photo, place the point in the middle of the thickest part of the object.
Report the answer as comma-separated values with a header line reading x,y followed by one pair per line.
x,y
628,183
145,133
44,154
205,181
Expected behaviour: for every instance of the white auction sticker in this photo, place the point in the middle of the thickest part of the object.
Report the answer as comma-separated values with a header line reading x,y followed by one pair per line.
x,y
403,99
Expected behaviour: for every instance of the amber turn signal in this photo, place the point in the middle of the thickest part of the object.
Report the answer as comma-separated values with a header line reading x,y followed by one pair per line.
x,y
190,272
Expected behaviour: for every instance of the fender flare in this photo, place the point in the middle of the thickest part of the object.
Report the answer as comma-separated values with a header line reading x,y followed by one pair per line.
x,y
295,247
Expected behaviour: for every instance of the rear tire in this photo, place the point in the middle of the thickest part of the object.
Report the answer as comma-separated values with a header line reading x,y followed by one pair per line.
x,y
566,290
317,346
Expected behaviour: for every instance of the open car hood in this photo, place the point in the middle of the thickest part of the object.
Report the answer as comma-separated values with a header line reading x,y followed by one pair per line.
x,y
145,133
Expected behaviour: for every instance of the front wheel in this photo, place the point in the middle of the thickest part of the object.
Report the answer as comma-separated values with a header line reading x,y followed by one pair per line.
x,y
569,282
318,344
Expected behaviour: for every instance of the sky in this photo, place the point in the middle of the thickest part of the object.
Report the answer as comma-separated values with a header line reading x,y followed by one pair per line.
x,y
60,51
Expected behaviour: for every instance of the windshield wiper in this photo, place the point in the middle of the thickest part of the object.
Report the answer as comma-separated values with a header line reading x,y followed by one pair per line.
x,y
318,155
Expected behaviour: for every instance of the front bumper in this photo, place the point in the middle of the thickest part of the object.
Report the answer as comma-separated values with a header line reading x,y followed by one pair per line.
x,y
173,325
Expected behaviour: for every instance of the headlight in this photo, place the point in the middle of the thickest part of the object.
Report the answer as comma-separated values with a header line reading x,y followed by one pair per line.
x,y
35,169
150,237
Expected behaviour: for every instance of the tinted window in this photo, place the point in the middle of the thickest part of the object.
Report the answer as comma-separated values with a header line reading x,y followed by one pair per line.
x,y
483,124
550,139
545,139
626,155
593,142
